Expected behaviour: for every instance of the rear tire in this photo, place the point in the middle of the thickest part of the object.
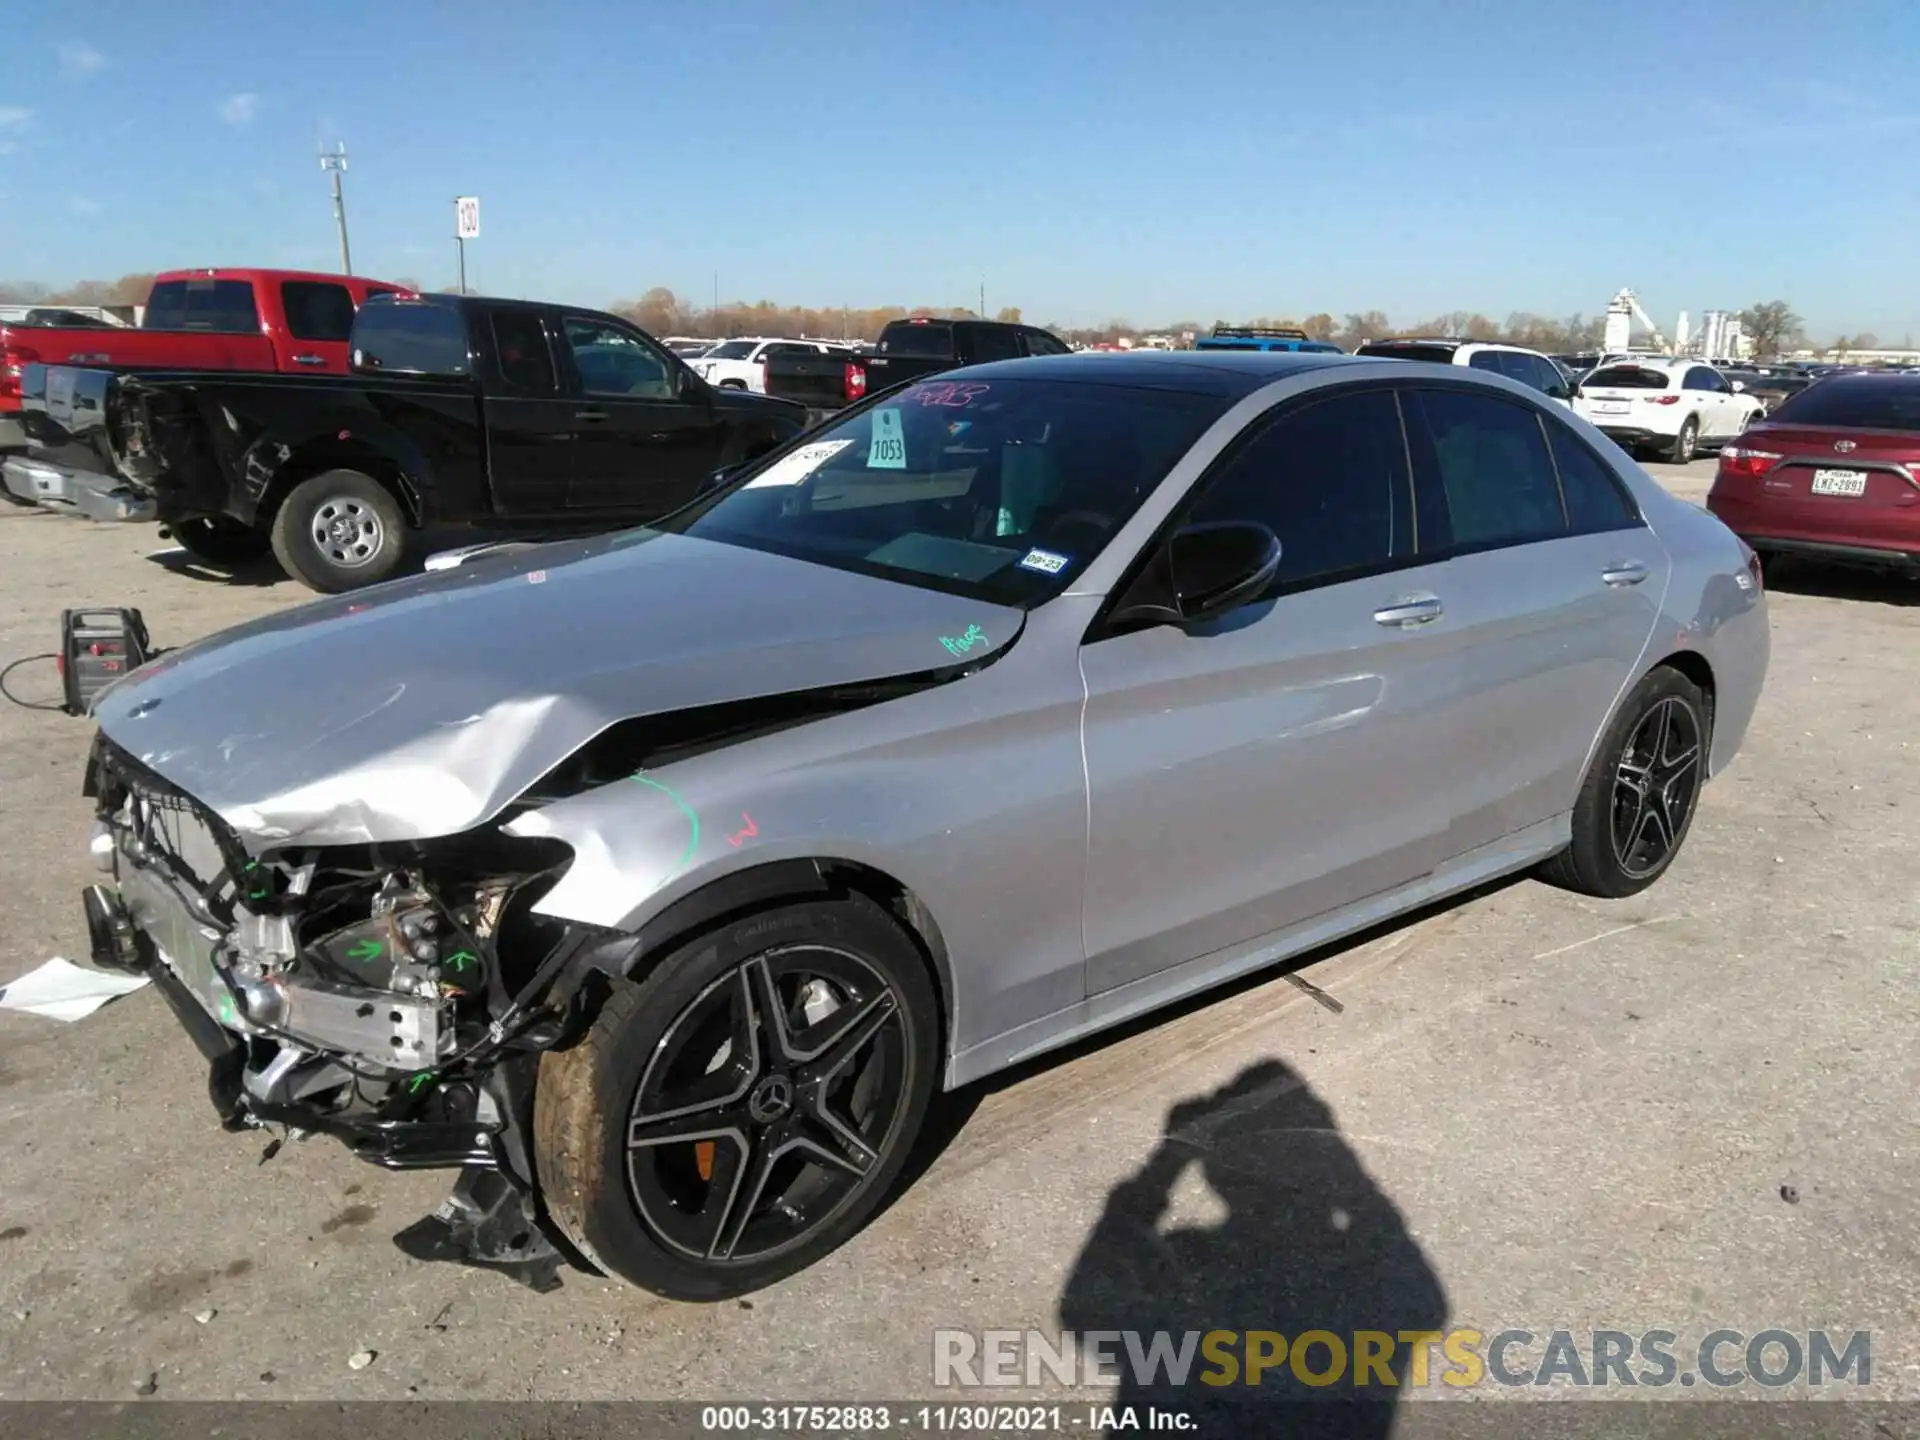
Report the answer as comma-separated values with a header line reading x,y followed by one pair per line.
x,y
340,531
696,1147
219,541
1686,443
1638,800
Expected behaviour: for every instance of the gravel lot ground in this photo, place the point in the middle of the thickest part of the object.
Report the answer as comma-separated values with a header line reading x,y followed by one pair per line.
x,y
1529,1110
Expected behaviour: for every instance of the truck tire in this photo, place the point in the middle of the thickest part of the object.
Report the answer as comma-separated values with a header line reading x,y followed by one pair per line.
x,y
339,531
219,540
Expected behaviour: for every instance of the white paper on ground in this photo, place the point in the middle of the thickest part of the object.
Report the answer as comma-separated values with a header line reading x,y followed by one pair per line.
x,y
61,990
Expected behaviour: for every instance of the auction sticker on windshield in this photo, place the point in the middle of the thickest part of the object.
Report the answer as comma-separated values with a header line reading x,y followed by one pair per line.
x,y
887,450
1045,561
792,469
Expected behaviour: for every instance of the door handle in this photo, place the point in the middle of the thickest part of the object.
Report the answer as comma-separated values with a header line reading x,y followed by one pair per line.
x,y
1410,610
589,414
309,359
1624,572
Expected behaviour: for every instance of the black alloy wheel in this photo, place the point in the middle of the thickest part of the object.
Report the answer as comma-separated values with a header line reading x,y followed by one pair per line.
x,y
741,1110
759,1113
1642,787
1656,780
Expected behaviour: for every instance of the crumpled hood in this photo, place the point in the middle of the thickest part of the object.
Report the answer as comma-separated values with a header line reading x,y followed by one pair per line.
x,y
424,706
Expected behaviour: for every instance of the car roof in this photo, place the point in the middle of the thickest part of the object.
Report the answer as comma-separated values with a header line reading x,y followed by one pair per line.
x,y
1201,372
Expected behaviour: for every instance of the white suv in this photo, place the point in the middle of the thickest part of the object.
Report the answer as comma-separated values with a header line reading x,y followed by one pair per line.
x,y
741,364
1675,407
1529,367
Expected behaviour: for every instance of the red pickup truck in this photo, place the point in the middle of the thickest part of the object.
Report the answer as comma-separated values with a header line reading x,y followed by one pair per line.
x,y
220,319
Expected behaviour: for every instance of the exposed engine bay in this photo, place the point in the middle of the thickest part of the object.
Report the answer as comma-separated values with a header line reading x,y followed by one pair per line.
x,y
393,996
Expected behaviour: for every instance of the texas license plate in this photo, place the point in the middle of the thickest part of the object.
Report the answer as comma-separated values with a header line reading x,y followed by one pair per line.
x,y
1609,407
1839,482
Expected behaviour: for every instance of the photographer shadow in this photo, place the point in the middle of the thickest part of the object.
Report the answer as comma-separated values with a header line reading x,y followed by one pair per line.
x,y
1308,1242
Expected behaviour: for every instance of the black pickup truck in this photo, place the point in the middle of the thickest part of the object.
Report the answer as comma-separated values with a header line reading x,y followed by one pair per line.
x,y
906,350
458,410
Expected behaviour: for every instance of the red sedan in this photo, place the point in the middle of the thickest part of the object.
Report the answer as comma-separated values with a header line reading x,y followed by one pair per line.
x,y
1833,474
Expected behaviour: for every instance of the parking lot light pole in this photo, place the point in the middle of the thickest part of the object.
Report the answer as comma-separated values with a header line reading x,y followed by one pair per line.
x,y
335,163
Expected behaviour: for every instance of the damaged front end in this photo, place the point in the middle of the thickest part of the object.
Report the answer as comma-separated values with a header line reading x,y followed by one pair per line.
x,y
394,996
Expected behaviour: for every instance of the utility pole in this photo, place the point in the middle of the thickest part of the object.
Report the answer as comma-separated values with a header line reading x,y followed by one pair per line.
x,y
335,163
983,299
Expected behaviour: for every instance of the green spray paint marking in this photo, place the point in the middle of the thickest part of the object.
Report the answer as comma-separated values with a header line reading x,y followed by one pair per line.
x,y
693,820
461,959
226,1010
419,1082
960,644
364,950
248,869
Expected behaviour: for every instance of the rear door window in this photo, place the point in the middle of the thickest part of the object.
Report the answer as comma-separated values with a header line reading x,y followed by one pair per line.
x,y
1494,468
520,342
317,309
1596,500
989,342
1494,360
226,306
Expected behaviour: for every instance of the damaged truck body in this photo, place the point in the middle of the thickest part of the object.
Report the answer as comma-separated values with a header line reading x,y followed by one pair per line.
x,y
654,881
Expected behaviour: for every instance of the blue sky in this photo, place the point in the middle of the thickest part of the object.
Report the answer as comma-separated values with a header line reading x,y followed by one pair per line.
x,y
1086,158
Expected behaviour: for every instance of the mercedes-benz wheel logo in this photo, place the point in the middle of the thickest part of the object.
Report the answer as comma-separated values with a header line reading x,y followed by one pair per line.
x,y
771,1099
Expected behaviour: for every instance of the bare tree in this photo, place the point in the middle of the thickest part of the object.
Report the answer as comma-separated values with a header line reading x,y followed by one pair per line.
x,y
1771,326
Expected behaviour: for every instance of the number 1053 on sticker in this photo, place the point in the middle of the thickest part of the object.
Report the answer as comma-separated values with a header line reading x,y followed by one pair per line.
x,y
887,450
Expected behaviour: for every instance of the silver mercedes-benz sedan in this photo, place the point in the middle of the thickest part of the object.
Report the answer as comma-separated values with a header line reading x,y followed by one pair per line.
x,y
655,881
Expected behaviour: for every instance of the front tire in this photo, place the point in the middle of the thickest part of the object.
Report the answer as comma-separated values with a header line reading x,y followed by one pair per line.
x,y
219,541
739,1112
1637,802
1685,443
340,531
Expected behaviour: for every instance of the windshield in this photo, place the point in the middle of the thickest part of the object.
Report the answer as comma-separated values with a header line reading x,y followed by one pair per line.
x,y
732,350
998,490
1864,402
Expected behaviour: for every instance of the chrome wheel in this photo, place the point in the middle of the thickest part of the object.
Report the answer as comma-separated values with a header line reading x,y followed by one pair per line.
x,y
1655,784
347,531
1684,443
766,1104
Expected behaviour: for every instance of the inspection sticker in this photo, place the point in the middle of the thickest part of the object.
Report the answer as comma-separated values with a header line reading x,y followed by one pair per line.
x,y
1045,561
887,450
792,469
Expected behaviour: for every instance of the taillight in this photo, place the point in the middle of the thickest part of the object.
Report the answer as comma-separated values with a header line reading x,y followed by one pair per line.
x,y
13,360
1661,399
1745,463
855,377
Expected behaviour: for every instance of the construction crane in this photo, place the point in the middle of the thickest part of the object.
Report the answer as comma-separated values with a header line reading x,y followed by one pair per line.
x,y
1622,311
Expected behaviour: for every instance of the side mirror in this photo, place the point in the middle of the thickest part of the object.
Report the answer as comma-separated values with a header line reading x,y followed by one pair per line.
x,y
688,385
1211,568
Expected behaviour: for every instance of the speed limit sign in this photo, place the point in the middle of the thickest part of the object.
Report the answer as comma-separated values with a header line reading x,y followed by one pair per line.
x,y
466,217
